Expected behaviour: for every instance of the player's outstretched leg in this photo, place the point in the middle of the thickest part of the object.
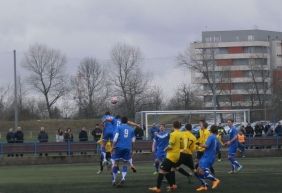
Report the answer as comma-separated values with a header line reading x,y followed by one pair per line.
x,y
236,167
208,175
101,165
204,185
157,166
114,174
132,167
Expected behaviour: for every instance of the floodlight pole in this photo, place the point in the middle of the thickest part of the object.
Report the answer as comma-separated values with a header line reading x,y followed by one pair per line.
x,y
15,91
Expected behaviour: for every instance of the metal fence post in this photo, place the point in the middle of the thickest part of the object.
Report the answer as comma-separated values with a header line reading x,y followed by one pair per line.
x,y
69,148
35,148
1,149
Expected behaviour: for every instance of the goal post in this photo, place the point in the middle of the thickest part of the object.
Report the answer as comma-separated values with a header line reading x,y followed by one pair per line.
x,y
212,116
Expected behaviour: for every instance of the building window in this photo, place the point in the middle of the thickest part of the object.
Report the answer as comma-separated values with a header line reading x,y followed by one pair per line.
x,y
251,38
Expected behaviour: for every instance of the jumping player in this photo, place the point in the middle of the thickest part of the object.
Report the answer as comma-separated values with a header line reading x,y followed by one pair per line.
x,y
122,149
108,123
206,162
172,157
232,148
160,142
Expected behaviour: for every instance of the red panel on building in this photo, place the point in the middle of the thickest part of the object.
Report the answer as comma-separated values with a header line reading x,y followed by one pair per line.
x,y
237,74
225,86
277,79
235,50
237,97
224,62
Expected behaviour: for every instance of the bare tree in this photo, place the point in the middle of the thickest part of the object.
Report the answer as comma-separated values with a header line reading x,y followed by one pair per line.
x,y
89,85
184,98
47,76
4,100
202,61
130,82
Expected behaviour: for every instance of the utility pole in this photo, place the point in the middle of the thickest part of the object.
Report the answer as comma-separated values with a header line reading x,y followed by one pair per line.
x,y
214,86
16,91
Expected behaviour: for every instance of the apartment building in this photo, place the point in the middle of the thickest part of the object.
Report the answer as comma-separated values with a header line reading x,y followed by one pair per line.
x,y
243,67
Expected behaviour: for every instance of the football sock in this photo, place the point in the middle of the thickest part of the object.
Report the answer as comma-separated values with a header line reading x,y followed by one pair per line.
x,y
157,165
115,171
159,180
103,153
124,172
183,172
201,179
236,163
168,178
208,175
172,178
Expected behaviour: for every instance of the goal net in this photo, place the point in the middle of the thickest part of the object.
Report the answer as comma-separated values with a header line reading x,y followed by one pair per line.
x,y
148,118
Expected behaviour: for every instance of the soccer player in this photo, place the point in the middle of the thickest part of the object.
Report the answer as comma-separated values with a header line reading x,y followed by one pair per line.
x,y
232,148
186,158
203,136
219,138
172,157
122,143
108,122
206,162
160,142
108,148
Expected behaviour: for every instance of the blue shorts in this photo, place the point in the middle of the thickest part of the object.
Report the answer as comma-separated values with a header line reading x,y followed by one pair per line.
x,y
108,136
205,163
160,156
121,154
232,150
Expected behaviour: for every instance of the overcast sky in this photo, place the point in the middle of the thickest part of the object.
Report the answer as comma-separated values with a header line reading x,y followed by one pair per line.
x,y
161,28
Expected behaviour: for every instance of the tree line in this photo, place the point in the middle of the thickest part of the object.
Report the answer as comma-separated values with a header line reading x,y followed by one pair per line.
x,y
49,92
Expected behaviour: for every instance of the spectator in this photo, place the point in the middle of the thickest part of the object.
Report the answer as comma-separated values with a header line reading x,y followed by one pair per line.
x,y
19,138
19,135
270,132
249,131
83,135
10,136
241,142
139,136
97,133
10,139
68,136
278,130
258,130
153,131
42,138
60,136
267,127
139,133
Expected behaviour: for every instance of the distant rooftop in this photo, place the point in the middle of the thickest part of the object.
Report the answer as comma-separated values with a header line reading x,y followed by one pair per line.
x,y
240,35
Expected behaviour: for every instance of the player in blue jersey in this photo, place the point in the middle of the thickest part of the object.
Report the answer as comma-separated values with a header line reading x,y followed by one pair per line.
x,y
211,146
232,148
124,138
160,142
108,132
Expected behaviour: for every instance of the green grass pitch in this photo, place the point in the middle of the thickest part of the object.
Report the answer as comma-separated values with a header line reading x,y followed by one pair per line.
x,y
260,175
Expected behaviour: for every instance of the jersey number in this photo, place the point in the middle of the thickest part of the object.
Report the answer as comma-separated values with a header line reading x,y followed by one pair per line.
x,y
126,133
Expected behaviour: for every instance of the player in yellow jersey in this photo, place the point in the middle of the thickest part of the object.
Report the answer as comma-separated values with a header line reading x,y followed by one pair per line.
x,y
108,148
189,146
172,156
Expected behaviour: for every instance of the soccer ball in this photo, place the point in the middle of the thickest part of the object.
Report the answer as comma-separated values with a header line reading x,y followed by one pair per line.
x,y
114,100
